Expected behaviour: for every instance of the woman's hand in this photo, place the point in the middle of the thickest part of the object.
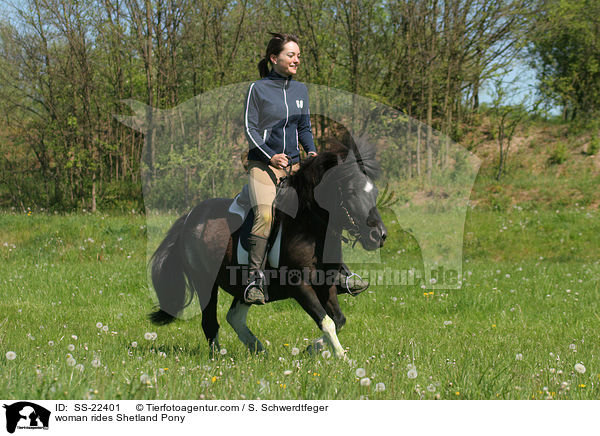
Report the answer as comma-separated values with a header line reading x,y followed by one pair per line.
x,y
279,161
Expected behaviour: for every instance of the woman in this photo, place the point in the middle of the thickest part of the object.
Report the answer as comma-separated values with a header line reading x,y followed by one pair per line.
x,y
277,122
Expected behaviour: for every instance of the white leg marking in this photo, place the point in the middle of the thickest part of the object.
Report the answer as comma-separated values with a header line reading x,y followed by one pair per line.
x,y
236,317
328,327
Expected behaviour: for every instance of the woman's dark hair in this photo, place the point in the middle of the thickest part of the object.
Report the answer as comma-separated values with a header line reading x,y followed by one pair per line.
x,y
275,46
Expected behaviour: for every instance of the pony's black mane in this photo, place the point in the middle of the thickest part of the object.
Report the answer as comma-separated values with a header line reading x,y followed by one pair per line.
x,y
344,159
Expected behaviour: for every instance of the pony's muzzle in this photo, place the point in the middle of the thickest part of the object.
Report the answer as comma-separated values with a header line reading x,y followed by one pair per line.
x,y
377,236
378,232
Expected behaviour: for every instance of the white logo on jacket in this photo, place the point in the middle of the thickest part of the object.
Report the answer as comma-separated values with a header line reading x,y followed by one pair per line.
x,y
300,104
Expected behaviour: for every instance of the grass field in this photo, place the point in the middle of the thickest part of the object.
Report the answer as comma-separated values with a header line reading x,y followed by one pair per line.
x,y
524,325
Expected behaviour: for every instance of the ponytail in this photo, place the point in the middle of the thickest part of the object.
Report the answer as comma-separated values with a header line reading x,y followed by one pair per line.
x,y
263,67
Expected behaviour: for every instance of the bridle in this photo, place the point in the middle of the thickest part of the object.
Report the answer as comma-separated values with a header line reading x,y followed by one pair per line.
x,y
338,227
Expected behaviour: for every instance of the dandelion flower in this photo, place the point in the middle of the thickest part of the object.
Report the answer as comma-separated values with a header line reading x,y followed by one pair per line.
x,y
580,368
412,373
295,351
360,372
518,356
379,387
11,355
365,381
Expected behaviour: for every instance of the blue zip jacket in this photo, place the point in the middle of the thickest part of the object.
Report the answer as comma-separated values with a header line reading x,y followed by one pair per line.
x,y
277,119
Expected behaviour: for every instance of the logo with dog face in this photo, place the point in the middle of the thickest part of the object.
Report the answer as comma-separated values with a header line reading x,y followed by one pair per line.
x,y
26,415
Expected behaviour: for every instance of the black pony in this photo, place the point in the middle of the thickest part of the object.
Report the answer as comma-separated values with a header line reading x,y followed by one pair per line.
x,y
334,192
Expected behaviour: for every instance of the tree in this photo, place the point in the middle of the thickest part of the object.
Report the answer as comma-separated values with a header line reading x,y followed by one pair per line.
x,y
565,49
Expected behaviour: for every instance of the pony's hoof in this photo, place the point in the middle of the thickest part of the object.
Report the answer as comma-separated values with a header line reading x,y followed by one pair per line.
x,y
256,348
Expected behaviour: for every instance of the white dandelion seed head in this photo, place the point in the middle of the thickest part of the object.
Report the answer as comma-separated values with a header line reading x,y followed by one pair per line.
x,y
287,372
295,351
326,354
134,344
105,328
145,378
96,363
71,347
379,387
74,337
360,372
411,366
519,356
148,336
71,361
412,373
223,351
366,381
79,367
99,325
431,388
447,322
51,343
580,368
11,355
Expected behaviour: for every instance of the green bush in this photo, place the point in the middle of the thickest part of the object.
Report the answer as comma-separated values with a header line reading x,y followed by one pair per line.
x,y
593,146
559,155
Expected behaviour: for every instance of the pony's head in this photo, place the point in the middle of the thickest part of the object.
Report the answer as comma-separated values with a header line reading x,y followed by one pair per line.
x,y
342,181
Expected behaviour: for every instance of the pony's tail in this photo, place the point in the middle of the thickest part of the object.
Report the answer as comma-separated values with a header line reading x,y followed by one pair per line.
x,y
168,277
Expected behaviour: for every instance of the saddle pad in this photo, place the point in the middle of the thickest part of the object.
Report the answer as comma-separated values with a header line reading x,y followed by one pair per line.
x,y
274,250
241,207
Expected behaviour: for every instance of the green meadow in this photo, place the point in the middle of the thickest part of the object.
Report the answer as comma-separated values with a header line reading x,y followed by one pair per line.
x,y
523,325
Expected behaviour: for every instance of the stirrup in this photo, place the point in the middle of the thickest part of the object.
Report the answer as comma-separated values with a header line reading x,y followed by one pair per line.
x,y
346,285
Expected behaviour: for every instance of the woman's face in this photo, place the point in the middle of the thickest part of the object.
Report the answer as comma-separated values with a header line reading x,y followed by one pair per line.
x,y
288,60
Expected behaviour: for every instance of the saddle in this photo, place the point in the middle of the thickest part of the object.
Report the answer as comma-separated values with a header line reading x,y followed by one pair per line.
x,y
286,201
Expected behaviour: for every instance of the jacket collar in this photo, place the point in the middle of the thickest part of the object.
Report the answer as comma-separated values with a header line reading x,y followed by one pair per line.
x,y
274,75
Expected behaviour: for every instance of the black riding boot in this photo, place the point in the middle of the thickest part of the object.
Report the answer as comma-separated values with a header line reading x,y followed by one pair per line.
x,y
349,282
257,251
